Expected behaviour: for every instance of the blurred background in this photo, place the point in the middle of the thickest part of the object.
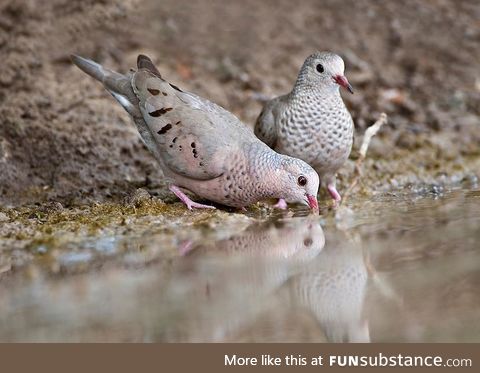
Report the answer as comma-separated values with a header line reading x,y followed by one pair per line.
x,y
63,137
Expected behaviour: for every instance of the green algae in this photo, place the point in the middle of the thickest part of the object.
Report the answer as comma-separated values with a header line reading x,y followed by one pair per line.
x,y
32,226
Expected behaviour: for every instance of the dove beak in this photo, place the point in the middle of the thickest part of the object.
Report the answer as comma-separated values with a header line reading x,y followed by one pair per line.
x,y
312,202
343,82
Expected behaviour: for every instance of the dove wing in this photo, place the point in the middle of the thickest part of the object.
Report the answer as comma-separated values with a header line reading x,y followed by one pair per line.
x,y
265,126
192,135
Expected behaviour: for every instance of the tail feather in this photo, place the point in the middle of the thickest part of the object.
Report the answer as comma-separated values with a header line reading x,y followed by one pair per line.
x,y
120,87
144,62
90,67
117,84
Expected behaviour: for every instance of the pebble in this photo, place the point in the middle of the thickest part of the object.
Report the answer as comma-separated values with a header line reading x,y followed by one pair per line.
x,y
3,217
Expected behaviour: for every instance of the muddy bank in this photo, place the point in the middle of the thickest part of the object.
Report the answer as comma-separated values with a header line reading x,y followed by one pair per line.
x,y
62,138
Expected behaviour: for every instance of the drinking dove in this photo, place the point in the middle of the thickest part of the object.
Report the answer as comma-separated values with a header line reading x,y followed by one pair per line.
x,y
311,122
202,147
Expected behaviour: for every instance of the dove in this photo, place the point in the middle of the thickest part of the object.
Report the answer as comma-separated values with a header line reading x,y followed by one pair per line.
x,y
312,122
201,147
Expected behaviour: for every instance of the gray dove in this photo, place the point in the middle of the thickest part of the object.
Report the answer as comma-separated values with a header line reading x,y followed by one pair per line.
x,y
200,146
311,122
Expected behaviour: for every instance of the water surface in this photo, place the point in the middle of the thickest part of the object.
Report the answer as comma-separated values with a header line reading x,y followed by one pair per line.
x,y
398,267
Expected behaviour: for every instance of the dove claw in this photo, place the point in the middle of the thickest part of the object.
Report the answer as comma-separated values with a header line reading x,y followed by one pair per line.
x,y
281,204
187,201
335,195
185,247
199,206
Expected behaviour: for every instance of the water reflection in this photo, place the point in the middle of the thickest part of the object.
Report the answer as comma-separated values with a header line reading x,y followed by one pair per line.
x,y
222,286
299,240
400,270
284,261
333,288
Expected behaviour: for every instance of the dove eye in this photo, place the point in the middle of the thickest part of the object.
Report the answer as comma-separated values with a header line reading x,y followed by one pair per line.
x,y
302,180
307,242
320,68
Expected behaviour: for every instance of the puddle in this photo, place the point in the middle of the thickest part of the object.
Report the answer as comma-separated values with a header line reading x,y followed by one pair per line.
x,y
396,268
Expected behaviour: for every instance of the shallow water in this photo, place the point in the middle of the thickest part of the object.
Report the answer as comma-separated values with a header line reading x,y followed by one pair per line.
x,y
398,267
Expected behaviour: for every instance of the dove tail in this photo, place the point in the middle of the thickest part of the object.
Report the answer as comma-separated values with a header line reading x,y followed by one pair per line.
x,y
117,84
144,62
90,67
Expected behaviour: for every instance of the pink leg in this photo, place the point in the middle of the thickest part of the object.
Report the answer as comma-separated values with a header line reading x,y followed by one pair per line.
x,y
334,194
188,202
281,204
185,247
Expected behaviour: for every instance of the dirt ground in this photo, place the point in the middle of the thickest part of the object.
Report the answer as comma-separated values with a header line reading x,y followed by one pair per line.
x,y
64,139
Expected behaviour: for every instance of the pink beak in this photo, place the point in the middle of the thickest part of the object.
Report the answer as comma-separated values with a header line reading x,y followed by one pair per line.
x,y
312,202
343,82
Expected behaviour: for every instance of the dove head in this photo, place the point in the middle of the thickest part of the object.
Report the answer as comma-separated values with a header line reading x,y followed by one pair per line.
x,y
304,238
299,182
324,70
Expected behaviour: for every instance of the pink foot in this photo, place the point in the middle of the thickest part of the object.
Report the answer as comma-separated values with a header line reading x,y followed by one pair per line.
x,y
281,204
187,201
334,194
185,247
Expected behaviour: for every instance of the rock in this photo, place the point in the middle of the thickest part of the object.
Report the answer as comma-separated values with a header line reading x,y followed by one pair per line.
x,y
138,197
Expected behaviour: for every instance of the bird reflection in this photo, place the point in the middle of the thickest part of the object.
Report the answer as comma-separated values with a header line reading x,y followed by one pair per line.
x,y
333,288
226,286
301,239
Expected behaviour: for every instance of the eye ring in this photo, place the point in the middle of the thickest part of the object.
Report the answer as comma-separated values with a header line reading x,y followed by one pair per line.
x,y
320,68
302,180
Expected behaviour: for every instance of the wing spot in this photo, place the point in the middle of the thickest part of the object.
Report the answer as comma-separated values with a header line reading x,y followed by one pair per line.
x,y
164,93
165,129
175,87
159,112
153,91
174,139
178,122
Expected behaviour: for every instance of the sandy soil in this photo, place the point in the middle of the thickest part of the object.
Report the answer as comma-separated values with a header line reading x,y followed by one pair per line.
x,y
63,138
